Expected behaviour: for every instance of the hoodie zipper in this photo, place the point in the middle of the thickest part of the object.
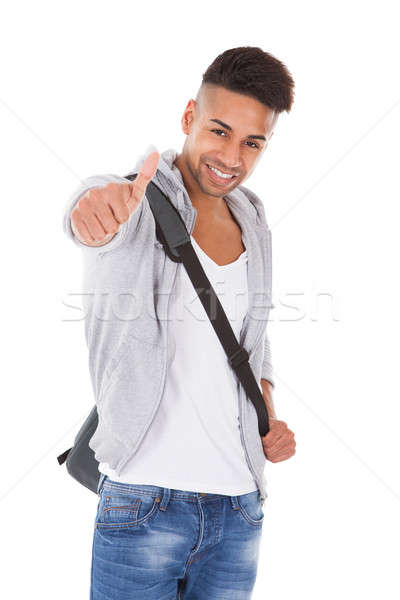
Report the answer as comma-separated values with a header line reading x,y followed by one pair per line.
x,y
249,463
241,400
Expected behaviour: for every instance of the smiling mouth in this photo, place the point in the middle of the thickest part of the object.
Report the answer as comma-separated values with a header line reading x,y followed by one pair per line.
x,y
220,176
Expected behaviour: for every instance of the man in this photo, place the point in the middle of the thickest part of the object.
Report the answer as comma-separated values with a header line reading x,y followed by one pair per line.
x,y
182,490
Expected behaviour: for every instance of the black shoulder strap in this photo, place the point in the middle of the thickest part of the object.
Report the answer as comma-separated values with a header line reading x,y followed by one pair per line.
x,y
170,227
172,233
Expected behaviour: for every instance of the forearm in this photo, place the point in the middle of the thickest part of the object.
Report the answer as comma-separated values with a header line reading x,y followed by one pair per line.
x,y
267,395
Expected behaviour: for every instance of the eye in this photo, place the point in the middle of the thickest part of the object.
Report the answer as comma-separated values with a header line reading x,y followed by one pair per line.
x,y
216,130
219,131
254,145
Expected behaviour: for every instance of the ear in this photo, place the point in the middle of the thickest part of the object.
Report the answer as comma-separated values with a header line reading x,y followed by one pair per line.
x,y
188,116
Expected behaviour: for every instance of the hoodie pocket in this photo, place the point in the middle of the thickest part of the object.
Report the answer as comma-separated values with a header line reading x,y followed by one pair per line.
x,y
131,387
112,368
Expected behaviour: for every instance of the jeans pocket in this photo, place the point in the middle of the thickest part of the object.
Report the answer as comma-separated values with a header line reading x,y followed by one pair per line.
x,y
250,508
121,508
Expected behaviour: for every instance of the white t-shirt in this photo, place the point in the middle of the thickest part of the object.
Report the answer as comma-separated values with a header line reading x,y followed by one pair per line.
x,y
194,441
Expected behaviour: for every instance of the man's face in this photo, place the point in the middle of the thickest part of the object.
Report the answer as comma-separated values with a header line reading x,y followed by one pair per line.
x,y
224,130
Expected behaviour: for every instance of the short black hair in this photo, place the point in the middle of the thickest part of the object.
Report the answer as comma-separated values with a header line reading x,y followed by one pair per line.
x,y
251,71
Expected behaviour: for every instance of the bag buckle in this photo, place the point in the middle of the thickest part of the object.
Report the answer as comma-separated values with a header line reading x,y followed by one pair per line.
x,y
238,357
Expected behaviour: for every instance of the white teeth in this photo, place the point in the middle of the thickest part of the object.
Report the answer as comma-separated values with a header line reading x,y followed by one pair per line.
x,y
224,175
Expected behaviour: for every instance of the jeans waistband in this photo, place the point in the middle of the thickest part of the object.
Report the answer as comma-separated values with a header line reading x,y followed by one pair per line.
x,y
162,492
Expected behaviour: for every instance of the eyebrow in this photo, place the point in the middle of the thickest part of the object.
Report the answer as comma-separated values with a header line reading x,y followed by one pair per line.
x,y
226,126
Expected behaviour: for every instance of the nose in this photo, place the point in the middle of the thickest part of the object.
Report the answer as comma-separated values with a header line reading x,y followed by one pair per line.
x,y
230,157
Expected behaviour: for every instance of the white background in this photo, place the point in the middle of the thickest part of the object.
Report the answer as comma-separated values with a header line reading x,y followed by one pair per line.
x,y
85,87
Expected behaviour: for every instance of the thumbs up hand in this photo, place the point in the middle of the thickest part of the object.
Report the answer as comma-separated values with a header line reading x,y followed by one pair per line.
x,y
100,212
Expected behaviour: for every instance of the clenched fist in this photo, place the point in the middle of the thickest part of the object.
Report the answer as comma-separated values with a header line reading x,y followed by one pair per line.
x,y
99,213
279,443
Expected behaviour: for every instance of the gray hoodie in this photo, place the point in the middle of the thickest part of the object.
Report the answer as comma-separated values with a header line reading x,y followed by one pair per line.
x,y
126,287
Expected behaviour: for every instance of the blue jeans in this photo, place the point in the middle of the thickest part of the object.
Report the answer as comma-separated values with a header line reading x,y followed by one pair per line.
x,y
156,543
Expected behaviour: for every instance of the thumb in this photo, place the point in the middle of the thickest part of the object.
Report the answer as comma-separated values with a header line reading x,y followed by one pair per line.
x,y
140,183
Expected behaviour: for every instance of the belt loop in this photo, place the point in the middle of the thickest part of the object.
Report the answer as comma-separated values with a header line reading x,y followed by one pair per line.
x,y
234,502
165,498
100,483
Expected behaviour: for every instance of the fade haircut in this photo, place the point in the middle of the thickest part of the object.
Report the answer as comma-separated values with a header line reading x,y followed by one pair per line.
x,y
251,71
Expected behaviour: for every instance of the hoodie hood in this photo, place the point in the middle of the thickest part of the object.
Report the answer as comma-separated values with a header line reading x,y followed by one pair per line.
x,y
169,179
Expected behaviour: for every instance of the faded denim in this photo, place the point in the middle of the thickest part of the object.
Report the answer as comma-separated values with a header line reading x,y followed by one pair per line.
x,y
156,543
